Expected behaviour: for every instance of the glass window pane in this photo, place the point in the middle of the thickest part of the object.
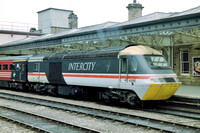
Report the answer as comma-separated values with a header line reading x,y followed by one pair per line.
x,y
12,67
185,56
5,67
186,67
36,66
156,61
133,65
185,62
124,65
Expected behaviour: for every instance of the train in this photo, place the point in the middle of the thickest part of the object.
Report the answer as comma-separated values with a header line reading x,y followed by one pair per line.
x,y
129,74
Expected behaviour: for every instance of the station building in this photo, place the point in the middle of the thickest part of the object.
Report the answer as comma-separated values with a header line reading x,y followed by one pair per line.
x,y
184,52
186,62
53,20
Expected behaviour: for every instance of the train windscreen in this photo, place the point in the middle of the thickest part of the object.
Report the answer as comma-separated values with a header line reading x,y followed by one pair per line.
x,y
156,61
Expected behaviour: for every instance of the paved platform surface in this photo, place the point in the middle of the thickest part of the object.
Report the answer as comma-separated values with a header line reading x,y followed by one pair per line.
x,y
188,91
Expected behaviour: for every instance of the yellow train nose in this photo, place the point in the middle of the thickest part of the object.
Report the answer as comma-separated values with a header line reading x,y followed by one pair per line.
x,y
161,91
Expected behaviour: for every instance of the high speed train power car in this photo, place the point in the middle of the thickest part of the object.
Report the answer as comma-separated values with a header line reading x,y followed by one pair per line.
x,y
126,73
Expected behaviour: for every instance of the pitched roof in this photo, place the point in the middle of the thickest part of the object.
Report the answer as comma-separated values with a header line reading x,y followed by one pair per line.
x,y
150,18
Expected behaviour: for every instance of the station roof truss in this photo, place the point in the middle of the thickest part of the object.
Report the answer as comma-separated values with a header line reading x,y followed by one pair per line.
x,y
187,36
156,29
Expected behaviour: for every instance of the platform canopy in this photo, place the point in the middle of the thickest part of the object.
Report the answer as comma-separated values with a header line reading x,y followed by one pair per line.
x,y
156,30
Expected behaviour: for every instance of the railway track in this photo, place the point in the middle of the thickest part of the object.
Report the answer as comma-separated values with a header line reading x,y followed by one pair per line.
x,y
185,99
184,102
178,106
136,120
38,122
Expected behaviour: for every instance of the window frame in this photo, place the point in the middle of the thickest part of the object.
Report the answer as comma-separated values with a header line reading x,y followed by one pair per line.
x,y
182,62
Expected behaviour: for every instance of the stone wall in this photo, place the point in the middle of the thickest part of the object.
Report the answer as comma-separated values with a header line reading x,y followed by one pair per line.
x,y
194,51
134,13
134,10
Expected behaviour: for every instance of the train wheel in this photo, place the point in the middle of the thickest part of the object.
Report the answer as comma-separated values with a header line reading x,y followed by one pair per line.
x,y
133,100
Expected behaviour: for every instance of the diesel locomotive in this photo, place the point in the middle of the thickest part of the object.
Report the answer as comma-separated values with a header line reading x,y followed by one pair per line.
x,y
129,74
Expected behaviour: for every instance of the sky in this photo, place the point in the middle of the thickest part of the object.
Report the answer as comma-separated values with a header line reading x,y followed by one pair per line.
x,y
89,12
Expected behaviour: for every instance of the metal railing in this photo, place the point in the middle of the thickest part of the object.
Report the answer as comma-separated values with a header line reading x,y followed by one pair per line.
x,y
17,26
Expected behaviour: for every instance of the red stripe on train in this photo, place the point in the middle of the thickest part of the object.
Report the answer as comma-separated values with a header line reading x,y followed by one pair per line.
x,y
116,76
36,74
6,76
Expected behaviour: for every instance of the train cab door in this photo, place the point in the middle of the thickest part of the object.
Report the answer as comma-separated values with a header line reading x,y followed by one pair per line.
x,y
36,71
19,71
55,72
123,72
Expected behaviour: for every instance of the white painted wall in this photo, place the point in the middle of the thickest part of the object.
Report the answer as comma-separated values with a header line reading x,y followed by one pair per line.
x,y
53,18
6,38
11,36
44,21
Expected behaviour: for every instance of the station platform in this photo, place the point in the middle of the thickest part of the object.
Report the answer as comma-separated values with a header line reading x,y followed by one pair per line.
x,y
188,91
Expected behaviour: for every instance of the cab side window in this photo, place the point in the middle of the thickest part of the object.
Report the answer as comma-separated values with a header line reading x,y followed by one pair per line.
x,y
124,65
133,65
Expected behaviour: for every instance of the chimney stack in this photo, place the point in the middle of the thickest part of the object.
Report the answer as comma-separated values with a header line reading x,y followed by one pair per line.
x,y
134,10
73,21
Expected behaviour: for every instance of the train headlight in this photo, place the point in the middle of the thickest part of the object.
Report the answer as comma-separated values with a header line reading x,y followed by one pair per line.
x,y
156,80
165,80
177,79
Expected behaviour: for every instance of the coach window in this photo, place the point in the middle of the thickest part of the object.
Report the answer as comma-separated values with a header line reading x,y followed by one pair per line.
x,y
5,67
0,67
36,67
12,67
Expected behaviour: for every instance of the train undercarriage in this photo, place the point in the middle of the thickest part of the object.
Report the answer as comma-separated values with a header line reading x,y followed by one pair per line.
x,y
79,92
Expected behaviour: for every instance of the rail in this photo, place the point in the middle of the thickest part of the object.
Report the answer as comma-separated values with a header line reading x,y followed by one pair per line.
x,y
17,26
131,119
